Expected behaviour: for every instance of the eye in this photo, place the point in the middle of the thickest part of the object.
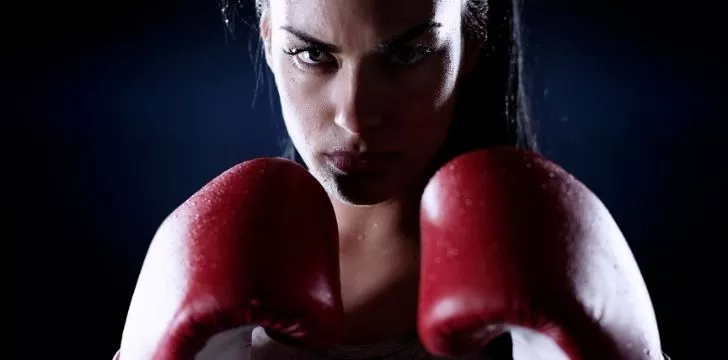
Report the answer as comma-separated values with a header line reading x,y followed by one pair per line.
x,y
310,57
410,55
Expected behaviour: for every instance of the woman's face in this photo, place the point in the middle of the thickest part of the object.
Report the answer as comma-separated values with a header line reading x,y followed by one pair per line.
x,y
366,86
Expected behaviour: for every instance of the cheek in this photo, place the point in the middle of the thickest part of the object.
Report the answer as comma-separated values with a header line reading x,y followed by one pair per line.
x,y
301,106
438,84
425,106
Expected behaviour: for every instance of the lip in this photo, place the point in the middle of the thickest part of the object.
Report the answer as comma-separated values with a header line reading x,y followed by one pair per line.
x,y
351,162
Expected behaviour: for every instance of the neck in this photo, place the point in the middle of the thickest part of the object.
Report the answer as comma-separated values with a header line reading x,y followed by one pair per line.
x,y
386,224
379,252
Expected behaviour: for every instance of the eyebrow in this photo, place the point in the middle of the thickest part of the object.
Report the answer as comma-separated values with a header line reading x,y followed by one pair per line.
x,y
383,46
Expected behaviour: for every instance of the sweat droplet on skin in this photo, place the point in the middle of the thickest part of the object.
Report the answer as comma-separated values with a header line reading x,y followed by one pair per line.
x,y
452,252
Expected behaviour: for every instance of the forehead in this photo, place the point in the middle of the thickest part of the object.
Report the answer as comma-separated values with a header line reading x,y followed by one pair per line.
x,y
380,18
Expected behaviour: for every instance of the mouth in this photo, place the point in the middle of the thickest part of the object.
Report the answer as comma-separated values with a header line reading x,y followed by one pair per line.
x,y
352,163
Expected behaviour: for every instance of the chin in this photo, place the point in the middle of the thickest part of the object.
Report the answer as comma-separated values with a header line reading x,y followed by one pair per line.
x,y
363,190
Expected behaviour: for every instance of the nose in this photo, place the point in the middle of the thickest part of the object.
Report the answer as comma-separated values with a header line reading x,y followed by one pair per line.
x,y
357,100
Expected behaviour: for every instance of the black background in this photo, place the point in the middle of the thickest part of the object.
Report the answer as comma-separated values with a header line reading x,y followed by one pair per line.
x,y
124,109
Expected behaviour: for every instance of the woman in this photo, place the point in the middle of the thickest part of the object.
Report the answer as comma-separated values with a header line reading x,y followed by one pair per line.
x,y
375,96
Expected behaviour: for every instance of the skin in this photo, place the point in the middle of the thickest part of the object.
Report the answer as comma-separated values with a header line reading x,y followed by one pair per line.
x,y
360,96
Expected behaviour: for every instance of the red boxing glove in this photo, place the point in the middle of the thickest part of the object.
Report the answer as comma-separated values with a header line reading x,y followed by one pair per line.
x,y
258,245
511,241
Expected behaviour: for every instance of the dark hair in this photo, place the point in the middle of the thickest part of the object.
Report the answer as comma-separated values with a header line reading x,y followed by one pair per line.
x,y
492,107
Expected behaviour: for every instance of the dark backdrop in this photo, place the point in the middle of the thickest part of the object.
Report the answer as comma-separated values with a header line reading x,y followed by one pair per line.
x,y
124,109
